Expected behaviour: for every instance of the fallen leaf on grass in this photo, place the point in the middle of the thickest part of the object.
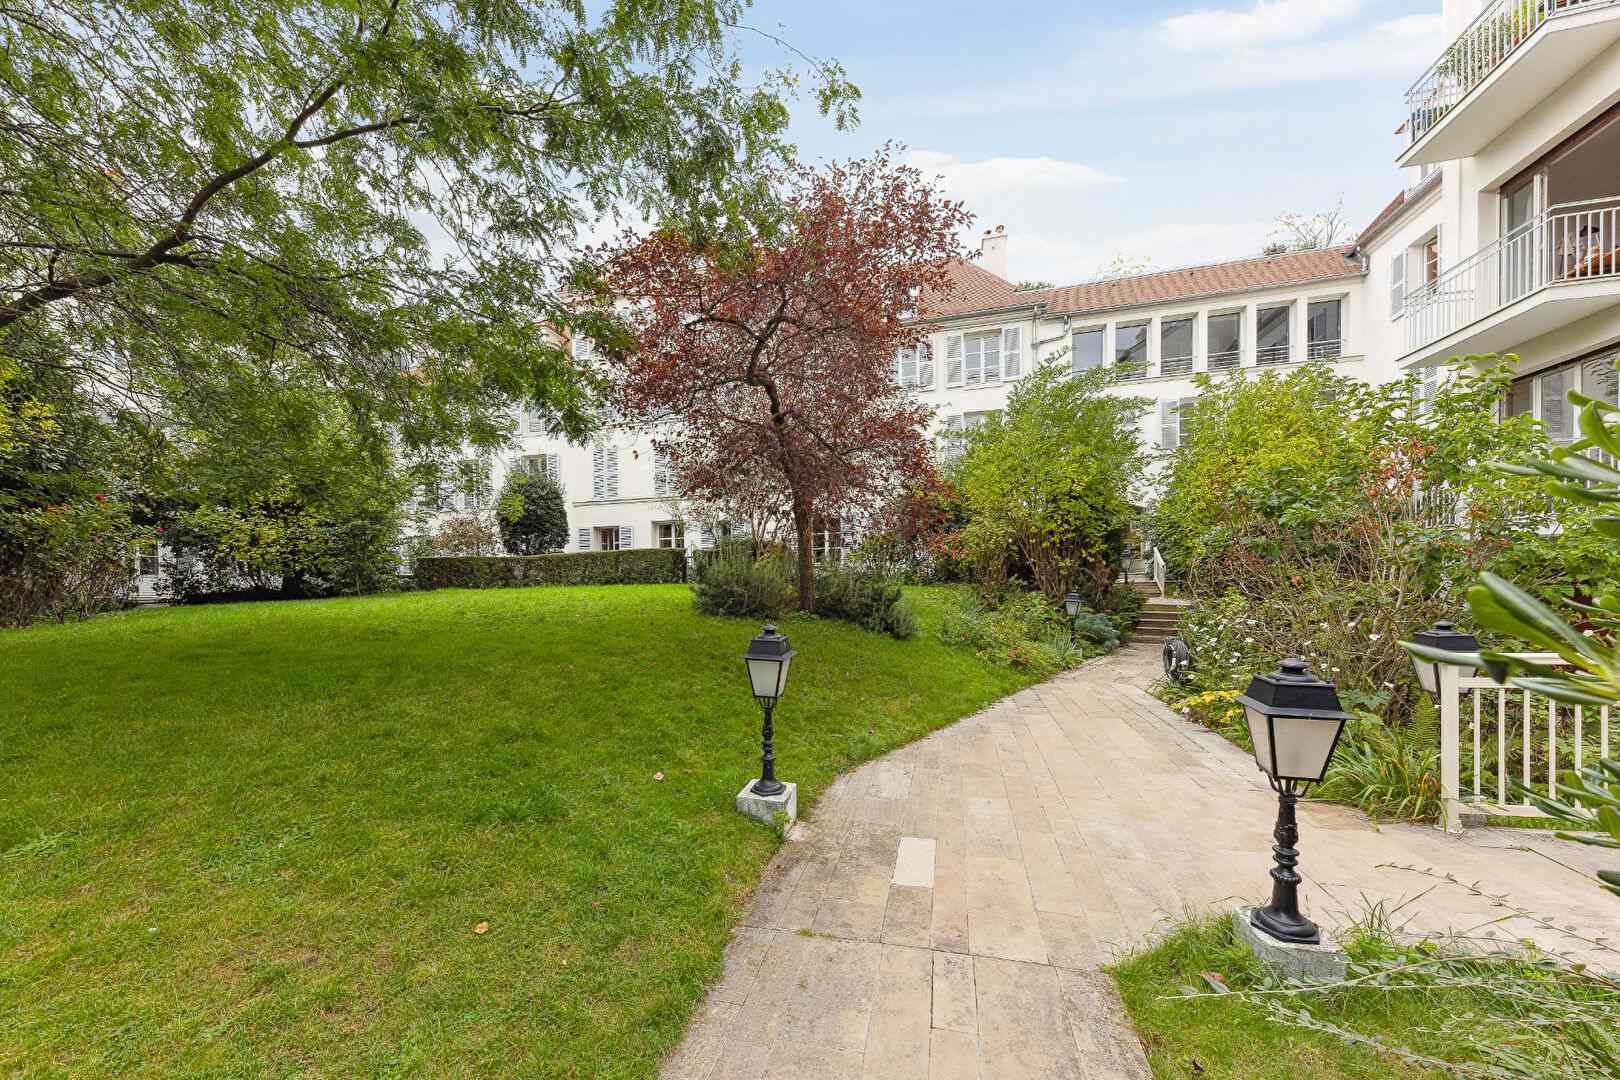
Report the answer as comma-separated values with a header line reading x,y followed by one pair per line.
x,y
658,776
481,928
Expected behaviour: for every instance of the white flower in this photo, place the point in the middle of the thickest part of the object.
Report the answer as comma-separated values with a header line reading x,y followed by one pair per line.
x,y
1390,685
1248,641
1333,669
1374,637
1324,626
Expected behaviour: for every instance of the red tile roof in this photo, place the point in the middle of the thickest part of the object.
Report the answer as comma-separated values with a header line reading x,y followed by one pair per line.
x,y
979,290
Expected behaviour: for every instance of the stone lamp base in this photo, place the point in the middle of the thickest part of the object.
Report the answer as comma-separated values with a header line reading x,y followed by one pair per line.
x,y
766,807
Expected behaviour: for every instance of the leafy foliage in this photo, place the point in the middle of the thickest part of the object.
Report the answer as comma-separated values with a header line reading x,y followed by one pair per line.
x,y
382,193
870,599
1022,631
736,582
632,566
532,515
68,561
777,362
1049,482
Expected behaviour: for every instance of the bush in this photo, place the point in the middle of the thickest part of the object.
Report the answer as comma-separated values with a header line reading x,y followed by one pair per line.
x,y
731,581
636,566
532,515
1023,631
1390,773
1123,604
869,599
1096,628
65,562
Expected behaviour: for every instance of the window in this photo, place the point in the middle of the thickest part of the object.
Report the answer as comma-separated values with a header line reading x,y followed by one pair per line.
x,y
1324,329
1521,398
671,534
1225,341
1130,351
546,465
663,475
978,419
614,537
1431,259
1176,346
1086,349
605,472
472,483
949,443
1271,335
981,358
827,539
1174,427
1397,285
915,367
534,421
146,559
1557,414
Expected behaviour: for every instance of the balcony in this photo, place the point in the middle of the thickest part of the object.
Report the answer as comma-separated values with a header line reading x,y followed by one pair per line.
x,y
1561,266
1512,55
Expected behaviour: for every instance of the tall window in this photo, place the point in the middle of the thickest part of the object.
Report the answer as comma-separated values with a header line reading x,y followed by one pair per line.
x,y
915,367
1176,346
546,465
1324,329
827,539
1397,285
1271,335
1225,341
671,534
1175,425
981,357
614,538
146,559
1086,349
1545,394
1431,260
984,357
1130,350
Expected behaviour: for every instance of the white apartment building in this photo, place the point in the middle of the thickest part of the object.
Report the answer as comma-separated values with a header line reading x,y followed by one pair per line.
x,y
1506,238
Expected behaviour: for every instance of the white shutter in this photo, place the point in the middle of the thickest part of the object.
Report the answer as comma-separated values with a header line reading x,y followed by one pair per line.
x,y
584,539
991,347
1397,284
598,472
553,466
1012,355
906,366
925,366
612,472
706,536
953,360
972,359
627,537
1169,429
1183,426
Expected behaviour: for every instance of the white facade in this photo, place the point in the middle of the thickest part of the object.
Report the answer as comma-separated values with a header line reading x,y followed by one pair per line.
x,y
1506,239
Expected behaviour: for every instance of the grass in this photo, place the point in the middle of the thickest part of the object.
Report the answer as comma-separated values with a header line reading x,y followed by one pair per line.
x,y
261,840
1215,1037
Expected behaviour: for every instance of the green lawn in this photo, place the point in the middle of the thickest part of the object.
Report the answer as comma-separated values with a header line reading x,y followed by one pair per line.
x,y
1217,1038
256,840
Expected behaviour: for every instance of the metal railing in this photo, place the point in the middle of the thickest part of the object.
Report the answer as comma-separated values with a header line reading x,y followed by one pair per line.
x,y
1267,355
1571,242
1324,350
1225,361
1175,365
1498,30
1492,737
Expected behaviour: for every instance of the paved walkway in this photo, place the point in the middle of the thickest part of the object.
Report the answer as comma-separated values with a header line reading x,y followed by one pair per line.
x,y
945,910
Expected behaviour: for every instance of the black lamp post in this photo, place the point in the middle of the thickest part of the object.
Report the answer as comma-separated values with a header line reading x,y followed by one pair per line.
x,y
1445,636
1072,603
1295,722
767,659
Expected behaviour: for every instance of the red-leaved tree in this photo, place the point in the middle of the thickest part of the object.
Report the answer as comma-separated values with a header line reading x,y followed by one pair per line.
x,y
775,364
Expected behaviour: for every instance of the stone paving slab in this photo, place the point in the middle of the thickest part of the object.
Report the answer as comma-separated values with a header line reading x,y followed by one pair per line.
x,y
943,913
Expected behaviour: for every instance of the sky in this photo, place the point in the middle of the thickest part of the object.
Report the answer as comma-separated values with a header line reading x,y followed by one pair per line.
x,y
1175,132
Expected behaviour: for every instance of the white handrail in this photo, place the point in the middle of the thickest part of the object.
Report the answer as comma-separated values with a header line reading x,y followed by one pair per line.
x,y
1492,736
1160,570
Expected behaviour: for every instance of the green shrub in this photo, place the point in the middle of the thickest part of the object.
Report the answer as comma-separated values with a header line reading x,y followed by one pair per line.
x,y
531,515
1023,631
1096,628
1123,603
868,598
730,581
636,566
65,562
1390,773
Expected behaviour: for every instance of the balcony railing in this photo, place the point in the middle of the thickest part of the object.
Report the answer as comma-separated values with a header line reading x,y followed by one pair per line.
x,y
1571,243
1326,349
1266,355
1225,361
1499,29
1175,365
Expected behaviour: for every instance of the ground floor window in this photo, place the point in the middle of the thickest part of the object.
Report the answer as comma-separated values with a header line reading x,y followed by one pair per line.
x,y
1545,394
827,539
146,559
608,538
671,534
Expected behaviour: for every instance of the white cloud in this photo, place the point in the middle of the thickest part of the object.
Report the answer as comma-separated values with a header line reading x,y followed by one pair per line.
x,y
1058,218
1267,21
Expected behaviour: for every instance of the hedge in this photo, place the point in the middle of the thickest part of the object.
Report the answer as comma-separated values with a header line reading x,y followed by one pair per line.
x,y
635,566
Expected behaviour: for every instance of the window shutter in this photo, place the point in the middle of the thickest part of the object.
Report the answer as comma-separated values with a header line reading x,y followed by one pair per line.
x,y
598,472
1183,421
584,539
627,537
1397,285
706,536
1168,424
612,472
1431,383
536,421
1012,359
906,366
553,465
990,344
953,360
925,366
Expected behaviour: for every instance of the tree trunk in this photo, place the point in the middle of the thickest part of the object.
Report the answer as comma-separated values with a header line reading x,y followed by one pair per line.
x,y
803,520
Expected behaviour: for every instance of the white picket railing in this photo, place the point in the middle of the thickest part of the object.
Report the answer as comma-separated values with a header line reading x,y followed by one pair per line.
x,y
1493,736
1499,29
1161,572
1570,243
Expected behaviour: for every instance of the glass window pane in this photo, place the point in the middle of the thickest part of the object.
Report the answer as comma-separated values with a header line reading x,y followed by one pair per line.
x,y
1176,337
1323,321
1521,397
1130,344
1271,335
1086,350
1225,333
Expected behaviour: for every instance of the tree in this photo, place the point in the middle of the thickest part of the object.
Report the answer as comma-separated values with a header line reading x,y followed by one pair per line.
x,y
776,363
381,193
1308,232
1054,478
531,515
469,533
1124,264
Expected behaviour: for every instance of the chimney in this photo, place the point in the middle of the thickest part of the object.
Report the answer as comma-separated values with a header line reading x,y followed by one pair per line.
x,y
993,251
